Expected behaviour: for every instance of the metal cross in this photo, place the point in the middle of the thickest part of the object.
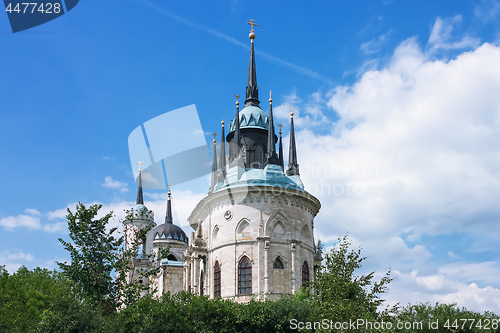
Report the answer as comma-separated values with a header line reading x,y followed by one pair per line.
x,y
214,134
169,187
291,113
280,126
237,97
252,24
270,91
140,165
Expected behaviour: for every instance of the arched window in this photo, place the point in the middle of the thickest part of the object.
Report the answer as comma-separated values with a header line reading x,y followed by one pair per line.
x,y
141,249
244,277
278,264
305,274
201,283
171,257
216,279
259,157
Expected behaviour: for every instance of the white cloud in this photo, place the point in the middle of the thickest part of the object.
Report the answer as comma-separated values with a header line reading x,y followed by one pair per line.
x,y
12,222
487,10
115,184
13,261
32,211
413,288
55,227
58,213
441,35
374,45
415,154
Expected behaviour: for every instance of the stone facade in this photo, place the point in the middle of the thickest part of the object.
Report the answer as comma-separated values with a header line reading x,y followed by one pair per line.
x,y
267,224
253,232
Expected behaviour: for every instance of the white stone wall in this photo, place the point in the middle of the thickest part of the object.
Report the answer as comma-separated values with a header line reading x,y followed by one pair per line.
x,y
262,222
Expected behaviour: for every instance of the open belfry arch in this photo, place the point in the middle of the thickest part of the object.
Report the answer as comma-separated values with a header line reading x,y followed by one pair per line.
x,y
253,233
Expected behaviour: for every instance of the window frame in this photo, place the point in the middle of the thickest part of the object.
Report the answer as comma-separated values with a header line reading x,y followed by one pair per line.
x,y
217,280
305,274
244,276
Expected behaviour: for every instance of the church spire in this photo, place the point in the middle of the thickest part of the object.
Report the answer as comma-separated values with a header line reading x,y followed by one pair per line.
x,y
222,161
140,199
237,137
280,156
293,167
214,162
271,144
168,216
252,89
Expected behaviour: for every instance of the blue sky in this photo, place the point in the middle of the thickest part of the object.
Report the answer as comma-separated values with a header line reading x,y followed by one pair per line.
x,y
394,99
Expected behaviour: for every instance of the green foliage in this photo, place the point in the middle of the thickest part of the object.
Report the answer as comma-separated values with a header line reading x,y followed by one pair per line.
x,y
93,254
341,295
127,285
272,316
45,301
100,264
26,294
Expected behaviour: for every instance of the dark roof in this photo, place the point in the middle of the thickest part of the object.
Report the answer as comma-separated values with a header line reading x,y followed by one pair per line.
x,y
169,231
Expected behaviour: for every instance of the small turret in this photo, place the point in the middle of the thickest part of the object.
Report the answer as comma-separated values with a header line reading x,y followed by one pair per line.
x,y
293,166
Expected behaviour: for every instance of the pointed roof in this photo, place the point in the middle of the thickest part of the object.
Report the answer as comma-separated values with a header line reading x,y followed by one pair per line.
x,y
252,96
214,162
168,216
293,166
237,134
280,156
222,161
140,198
271,144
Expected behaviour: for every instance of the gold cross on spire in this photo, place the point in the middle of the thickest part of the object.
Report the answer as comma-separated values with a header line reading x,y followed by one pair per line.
x,y
252,23
140,165
169,189
214,134
280,126
291,113
237,97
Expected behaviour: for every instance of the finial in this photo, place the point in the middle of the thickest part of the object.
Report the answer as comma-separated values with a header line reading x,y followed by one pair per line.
x,y
169,193
291,113
214,134
270,98
280,126
237,97
222,122
252,34
140,165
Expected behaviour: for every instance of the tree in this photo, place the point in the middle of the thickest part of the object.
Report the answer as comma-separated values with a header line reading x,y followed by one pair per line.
x,y
341,295
93,254
128,280
101,264
26,294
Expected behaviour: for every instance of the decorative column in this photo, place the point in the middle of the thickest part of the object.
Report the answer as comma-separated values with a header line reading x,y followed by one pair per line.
x,y
195,276
200,269
192,274
266,268
161,281
185,277
293,266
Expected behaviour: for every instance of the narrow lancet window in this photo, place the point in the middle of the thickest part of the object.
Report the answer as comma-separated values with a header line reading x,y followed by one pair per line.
x,y
305,274
245,277
216,279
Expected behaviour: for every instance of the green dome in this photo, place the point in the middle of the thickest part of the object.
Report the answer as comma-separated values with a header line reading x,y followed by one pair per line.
x,y
251,117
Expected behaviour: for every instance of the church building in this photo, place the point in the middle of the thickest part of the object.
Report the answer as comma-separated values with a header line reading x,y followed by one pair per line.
x,y
253,233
